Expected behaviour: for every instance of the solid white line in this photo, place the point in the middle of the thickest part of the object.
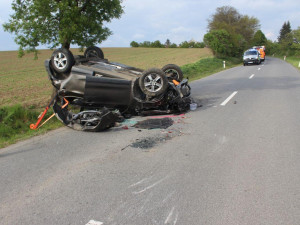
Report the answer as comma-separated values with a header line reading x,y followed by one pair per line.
x,y
229,98
251,76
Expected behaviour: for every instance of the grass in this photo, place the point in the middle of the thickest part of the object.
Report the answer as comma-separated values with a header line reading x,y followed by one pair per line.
x,y
207,66
294,60
25,89
15,121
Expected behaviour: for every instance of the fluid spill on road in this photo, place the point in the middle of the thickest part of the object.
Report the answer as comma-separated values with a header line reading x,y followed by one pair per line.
x,y
161,123
149,142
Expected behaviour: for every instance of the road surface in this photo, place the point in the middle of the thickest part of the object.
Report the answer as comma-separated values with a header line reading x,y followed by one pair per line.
x,y
235,160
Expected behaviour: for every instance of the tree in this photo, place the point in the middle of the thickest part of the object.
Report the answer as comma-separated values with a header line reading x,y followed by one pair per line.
x,y
285,39
134,44
296,36
259,39
199,45
272,48
61,22
157,44
167,43
284,31
239,29
184,44
219,42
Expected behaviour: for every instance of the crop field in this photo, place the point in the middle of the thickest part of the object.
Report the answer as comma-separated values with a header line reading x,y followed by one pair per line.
x,y
24,80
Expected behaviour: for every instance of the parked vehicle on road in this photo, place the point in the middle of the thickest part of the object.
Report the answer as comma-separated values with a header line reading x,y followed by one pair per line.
x,y
261,50
251,56
106,92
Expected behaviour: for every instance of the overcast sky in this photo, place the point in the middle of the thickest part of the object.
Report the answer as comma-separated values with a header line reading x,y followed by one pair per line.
x,y
177,20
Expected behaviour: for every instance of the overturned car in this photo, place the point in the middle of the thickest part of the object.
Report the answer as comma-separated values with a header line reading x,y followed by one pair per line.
x,y
105,92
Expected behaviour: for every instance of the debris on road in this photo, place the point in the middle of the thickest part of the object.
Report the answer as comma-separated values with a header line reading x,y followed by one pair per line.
x,y
150,142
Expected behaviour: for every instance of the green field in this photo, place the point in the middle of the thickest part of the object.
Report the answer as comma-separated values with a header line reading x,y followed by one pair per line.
x,y
24,80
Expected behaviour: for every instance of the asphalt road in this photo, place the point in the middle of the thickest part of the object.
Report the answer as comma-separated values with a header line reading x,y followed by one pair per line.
x,y
232,161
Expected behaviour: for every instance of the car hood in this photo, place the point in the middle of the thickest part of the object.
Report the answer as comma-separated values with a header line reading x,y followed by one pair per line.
x,y
250,57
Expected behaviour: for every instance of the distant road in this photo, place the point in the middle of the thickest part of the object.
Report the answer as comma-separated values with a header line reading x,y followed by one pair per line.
x,y
235,160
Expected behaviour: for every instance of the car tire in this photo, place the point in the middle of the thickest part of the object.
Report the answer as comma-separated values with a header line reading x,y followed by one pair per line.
x,y
153,82
173,72
62,60
93,51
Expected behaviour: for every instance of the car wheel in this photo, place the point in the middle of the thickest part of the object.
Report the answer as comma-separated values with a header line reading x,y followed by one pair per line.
x,y
153,82
94,51
62,60
173,72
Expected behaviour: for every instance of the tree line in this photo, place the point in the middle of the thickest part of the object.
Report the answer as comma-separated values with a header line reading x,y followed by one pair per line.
x,y
288,41
230,33
167,44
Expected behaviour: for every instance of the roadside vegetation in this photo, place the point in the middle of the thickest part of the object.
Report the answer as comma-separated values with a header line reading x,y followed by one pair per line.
x,y
15,121
207,66
294,60
168,44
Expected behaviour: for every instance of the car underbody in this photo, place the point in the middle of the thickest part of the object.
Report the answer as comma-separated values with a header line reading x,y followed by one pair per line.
x,y
92,93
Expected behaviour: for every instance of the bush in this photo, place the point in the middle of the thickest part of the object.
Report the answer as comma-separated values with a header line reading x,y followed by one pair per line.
x,y
134,44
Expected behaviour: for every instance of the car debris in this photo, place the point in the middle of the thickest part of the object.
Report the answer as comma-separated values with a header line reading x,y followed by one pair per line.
x,y
92,93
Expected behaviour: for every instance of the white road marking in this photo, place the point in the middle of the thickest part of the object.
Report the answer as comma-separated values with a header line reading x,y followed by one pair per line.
x,y
93,222
169,216
151,186
258,68
251,76
229,98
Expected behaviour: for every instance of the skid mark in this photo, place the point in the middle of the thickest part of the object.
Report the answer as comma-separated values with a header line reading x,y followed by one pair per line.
x,y
149,187
169,216
139,182
176,218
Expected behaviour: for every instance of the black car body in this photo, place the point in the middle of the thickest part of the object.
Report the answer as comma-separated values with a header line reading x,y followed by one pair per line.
x,y
106,91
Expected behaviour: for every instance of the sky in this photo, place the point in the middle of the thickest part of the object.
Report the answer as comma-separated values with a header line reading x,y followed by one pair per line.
x,y
176,20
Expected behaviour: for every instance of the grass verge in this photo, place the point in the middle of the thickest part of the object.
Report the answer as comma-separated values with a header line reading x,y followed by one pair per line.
x,y
207,66
293,60
15,120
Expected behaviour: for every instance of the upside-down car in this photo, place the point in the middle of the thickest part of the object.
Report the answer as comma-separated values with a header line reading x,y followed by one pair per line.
x,y
106,92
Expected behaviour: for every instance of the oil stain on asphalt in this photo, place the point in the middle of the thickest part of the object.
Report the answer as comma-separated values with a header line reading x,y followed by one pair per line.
x,y
149,142
163,123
